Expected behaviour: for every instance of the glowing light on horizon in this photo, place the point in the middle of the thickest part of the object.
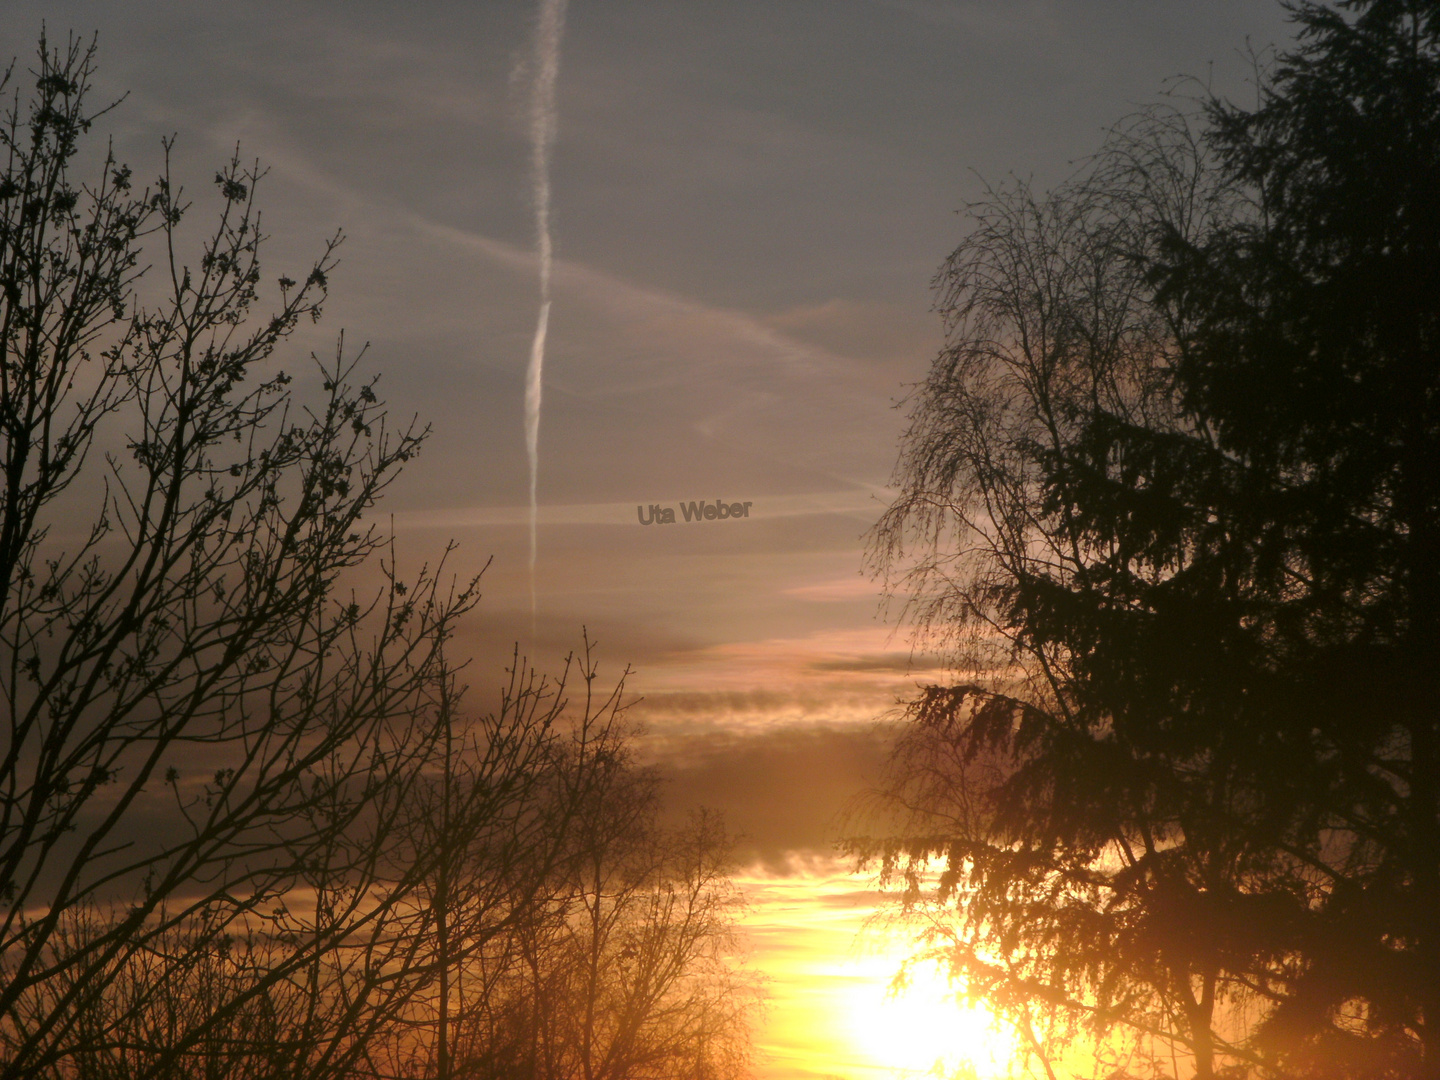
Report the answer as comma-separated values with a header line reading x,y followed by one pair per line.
x,y
831,1010
928,1028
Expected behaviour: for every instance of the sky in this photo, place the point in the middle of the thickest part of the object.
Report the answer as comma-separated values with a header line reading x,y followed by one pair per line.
x,y
749,203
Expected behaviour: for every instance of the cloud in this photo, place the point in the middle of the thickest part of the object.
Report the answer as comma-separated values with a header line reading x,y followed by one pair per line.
x,y
863,659
783,790
853,587
862,329
899,663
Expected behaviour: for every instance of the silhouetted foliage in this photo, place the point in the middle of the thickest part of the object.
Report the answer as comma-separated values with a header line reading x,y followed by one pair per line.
x,y
637,980
573,936
1171,491
245,828
171,635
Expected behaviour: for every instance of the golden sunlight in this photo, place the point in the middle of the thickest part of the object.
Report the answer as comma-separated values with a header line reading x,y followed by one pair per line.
x,y
832,1012
925,1026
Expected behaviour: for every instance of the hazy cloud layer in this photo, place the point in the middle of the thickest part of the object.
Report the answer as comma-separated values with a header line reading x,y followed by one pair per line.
x,y
749,203
783,792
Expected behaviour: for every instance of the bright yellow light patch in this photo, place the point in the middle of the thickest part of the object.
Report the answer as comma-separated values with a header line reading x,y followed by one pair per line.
x,y
926,1027
831,1013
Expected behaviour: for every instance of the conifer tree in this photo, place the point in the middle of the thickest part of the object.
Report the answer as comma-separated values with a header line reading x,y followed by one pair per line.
x,y
1172,492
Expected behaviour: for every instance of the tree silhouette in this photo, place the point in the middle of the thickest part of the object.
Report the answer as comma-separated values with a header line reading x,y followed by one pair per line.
x,y
1170,491
247,829
171,631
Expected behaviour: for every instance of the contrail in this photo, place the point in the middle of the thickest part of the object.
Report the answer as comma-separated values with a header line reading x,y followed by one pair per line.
x,y
544,121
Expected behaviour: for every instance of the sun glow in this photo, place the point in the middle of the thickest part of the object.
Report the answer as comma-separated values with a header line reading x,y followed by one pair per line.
x,y
832,1012
926,1026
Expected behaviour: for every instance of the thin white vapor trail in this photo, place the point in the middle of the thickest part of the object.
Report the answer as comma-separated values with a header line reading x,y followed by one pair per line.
x,y
544,122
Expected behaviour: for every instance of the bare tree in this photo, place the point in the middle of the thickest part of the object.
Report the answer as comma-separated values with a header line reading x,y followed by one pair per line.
x,y
246,828
638,977
495,818
197,722
570,935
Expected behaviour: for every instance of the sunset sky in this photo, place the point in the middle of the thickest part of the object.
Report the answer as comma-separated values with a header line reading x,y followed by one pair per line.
x,y
749,203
